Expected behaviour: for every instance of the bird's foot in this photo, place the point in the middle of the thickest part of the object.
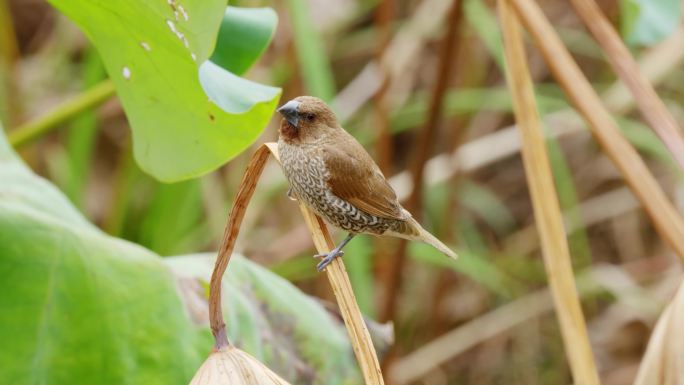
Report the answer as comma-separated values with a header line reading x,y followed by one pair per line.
x,y
327,258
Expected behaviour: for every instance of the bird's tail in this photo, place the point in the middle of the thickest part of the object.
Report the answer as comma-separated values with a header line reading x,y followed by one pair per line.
x,y
416,232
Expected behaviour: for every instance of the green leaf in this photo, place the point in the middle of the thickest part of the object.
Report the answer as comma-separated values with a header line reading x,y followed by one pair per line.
x,y
237,50
644,22
578,240
470,264
359,260
487,205
78,306
81,307
481,19
152,51
174,211
80,139
311,52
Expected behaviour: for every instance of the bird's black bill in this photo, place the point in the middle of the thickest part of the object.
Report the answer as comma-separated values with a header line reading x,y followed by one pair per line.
x,y
290,111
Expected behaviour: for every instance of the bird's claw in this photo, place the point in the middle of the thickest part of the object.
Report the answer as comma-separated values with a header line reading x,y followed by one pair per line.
x,y
339,254
290,195
327,258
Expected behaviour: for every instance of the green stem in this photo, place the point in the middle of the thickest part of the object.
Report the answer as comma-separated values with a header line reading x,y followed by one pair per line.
x,y
311,52
34,129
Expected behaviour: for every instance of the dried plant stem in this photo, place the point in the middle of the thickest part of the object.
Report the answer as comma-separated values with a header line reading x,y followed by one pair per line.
x,y
412,367
650,105
426,140
10,103
383,22
237,213
663,214
337,275
655,64
546,208
360,338
384,149
420,362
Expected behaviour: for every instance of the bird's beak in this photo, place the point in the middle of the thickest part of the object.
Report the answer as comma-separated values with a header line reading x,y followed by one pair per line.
x,y
290,111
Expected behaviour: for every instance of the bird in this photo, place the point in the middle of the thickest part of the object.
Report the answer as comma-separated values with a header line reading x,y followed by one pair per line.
x,y
333,175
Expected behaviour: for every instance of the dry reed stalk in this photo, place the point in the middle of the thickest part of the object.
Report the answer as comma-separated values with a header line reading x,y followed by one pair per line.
x,y
339,280
427,358
546,208
481,152
383,147
655,65
336,272
663,363
403,50
652,108
664,216
424,146
427,136
609,205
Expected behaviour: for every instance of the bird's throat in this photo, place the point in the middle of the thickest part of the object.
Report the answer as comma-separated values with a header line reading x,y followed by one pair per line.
x,y
289,132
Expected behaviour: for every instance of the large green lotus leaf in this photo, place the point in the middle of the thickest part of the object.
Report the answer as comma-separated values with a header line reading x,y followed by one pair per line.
x,y
81,307
152,51
78,306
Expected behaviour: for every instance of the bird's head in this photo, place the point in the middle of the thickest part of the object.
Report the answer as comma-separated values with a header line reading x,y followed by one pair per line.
x,y
306,119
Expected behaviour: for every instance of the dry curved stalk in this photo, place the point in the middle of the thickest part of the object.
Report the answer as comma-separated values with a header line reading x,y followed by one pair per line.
x,y
663,214
237,213
652,108
546,208
227,364
336,272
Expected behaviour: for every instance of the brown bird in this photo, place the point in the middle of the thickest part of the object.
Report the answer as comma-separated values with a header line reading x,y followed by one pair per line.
x,y
334,176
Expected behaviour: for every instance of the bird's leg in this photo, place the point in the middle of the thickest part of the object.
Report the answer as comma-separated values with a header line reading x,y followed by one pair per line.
x,y
336,252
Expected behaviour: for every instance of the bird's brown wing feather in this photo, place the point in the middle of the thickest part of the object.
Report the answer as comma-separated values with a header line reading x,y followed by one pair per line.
x,y
356,178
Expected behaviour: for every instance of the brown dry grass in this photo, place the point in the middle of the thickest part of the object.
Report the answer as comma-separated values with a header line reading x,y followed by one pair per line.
x,y
545,203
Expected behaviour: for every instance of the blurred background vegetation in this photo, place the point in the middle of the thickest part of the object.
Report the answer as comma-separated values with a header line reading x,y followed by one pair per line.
x,y
421,85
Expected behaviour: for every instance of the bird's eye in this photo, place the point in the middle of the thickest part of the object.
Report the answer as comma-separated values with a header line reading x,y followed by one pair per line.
x,y
310,117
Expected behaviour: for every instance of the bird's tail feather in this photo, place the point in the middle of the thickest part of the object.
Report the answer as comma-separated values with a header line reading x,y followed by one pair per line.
x,y
431,240
416,232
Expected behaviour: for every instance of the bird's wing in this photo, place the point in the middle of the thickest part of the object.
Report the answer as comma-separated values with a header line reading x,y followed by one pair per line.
x,y
356,178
